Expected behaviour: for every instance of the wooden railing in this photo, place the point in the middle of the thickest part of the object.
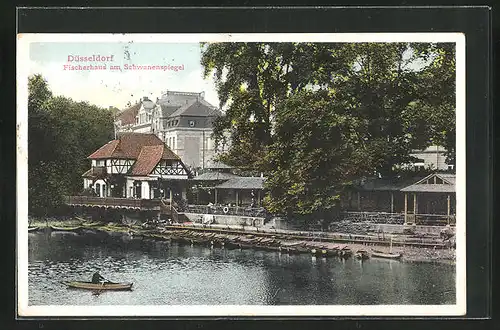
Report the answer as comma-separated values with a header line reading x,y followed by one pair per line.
x,y
114,202
398,218
226,210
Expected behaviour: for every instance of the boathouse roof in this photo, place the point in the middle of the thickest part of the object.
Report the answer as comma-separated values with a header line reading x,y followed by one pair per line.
x,y
213,165
215,176
243,182
436,182
381,184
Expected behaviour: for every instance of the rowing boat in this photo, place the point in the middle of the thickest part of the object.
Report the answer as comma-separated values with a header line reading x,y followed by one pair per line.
x,y
362,254
55,228
109,286
32,229
380,254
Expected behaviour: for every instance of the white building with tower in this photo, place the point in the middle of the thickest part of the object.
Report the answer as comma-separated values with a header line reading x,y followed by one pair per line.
x,y
183,120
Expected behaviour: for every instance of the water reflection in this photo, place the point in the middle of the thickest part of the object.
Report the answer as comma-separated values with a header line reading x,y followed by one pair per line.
x,y
170,274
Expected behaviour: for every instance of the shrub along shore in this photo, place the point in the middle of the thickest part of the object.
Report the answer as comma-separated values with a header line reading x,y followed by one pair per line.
x,y
410,249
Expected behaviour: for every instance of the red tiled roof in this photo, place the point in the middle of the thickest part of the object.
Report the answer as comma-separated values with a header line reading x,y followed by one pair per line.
x,y
169,154
127,116
147,160
127,146
146,149
105,151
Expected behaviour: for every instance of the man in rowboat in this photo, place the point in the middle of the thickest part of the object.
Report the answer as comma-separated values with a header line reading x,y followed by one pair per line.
x,y
97,278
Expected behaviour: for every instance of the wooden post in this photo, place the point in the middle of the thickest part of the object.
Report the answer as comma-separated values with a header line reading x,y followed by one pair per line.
x,y
359,201
415,203
258,197
392,202
415,207
237,204
171,197
448,209
215,194
406,207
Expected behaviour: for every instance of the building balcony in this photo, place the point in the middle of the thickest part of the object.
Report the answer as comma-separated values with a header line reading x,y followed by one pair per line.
x,y
114,202
96,172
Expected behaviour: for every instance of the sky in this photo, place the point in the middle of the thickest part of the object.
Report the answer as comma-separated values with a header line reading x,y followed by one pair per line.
x,y
118,87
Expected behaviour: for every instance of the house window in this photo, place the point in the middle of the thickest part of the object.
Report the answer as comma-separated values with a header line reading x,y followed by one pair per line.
x,y
451,167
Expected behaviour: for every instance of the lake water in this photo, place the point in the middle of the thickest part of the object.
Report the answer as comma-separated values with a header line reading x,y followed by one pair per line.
x,y
170,274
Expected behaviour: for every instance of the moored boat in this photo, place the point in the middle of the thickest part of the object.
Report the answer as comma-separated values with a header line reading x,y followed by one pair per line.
x,y
33,229
109,286
56,228
345,252
380,254
91,224
362,254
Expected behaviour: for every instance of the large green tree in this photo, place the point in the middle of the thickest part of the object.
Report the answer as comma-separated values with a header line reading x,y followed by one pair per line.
x,y
284,101
61,134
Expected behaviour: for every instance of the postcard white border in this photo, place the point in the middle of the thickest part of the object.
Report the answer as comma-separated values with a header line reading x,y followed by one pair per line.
x,y
24,310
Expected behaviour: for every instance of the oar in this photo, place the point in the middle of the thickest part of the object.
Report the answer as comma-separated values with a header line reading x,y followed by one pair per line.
x,y
99,291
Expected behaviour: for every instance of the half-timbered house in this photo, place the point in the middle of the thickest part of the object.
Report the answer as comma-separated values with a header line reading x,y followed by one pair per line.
x,y
137,166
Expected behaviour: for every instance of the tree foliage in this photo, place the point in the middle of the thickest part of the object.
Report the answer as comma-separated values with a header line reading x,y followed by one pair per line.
x,y
315,115
61,134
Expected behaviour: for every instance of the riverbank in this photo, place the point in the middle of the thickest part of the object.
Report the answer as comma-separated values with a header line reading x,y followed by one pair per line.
x,y
292,242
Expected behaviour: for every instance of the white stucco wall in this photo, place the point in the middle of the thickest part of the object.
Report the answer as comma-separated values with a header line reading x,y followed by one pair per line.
x,y
145,191
186,142
433,157
129,186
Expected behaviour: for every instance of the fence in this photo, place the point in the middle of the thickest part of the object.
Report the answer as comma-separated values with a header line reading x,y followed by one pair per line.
x,y
397,218
434,220
113,202
226,210
373,217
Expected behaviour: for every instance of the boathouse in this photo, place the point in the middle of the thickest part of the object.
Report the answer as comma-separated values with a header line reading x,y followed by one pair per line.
x,y
219,185
424,200
377,194
431,200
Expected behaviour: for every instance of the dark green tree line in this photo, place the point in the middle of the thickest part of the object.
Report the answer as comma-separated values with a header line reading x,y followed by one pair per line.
x,y
61,134
315,116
